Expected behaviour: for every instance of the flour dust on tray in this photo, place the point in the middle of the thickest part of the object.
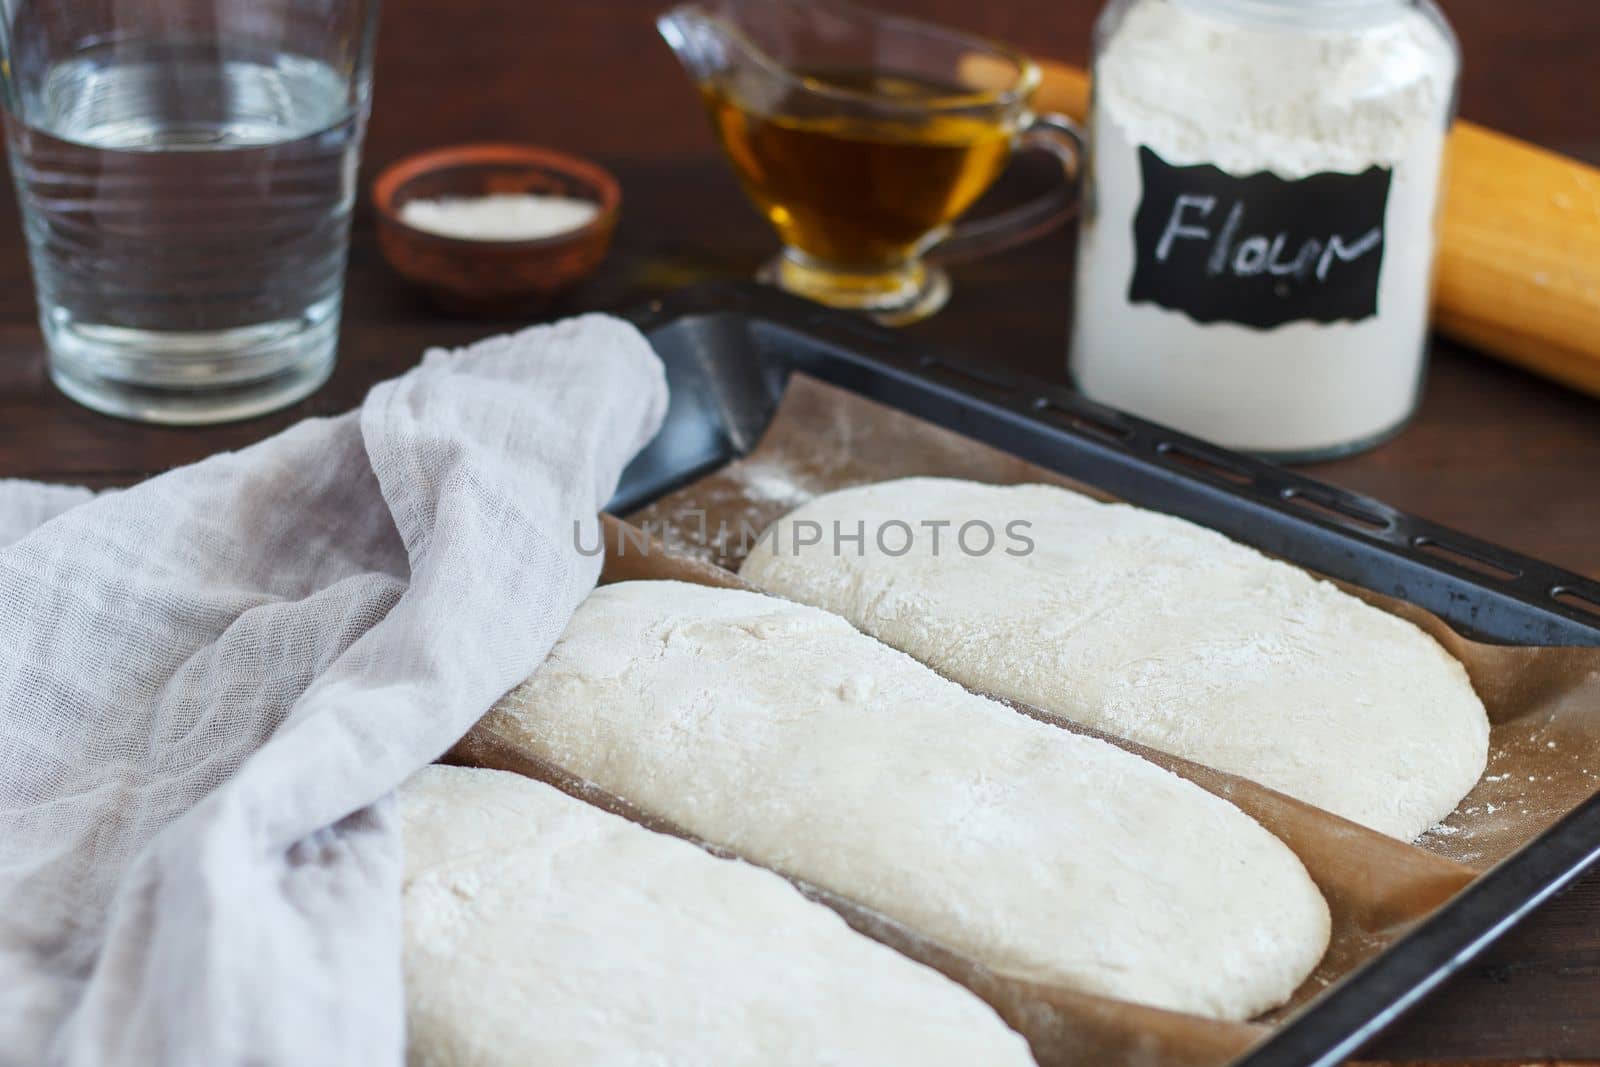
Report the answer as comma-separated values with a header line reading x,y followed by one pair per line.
x,y
541,930
1151,628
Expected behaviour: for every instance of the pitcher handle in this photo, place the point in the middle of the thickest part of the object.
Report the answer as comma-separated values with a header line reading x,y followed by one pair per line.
x,y
1057,135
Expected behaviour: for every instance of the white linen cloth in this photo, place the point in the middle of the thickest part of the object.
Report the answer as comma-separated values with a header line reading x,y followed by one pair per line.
x,y
210,683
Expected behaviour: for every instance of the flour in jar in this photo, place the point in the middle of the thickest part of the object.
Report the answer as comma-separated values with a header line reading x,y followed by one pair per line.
x,y
1255,266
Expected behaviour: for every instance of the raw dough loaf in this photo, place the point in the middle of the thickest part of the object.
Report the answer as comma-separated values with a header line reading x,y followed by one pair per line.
x,y
780,732
540,930
1152,628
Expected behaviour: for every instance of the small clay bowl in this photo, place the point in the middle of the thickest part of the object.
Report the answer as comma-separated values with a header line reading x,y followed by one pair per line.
x,y
494,277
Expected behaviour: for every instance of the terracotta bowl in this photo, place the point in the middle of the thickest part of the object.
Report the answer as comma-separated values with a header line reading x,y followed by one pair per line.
x,y
494,277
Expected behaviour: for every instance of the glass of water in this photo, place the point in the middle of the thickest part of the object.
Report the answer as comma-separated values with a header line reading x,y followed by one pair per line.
x,y
186,170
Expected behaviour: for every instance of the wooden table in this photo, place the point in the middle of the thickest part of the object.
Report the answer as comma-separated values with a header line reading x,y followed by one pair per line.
x,y
1493,451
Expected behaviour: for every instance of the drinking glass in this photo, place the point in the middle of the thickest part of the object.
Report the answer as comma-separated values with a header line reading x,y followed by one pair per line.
x,y
185,171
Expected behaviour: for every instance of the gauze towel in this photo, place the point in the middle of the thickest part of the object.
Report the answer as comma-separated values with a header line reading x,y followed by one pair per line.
x,y
211,681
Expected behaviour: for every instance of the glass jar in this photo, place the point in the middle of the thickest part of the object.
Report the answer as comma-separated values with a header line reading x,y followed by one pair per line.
x,y
1256,260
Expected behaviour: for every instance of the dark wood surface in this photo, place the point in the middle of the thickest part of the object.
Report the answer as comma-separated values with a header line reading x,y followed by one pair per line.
x,y
1493,451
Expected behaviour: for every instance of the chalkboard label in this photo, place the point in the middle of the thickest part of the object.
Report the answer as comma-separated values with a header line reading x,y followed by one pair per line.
x,y
1259,250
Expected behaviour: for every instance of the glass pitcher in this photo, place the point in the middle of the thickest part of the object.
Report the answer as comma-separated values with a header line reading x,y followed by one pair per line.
x,y
863,138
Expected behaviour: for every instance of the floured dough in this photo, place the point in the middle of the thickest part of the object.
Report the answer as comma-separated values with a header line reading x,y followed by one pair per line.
x,y
783,734
1152,628
540,930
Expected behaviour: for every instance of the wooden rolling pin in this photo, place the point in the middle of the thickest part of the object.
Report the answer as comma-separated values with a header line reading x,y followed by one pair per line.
x,y
1519,246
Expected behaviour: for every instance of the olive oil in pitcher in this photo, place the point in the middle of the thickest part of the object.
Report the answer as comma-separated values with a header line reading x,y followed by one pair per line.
x,y
862,138
858,191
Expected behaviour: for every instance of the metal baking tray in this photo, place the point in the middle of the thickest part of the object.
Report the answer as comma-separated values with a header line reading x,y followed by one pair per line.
x,y
730,348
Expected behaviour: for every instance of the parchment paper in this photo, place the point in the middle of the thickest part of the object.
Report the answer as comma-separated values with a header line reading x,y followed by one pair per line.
x,y
1544,705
